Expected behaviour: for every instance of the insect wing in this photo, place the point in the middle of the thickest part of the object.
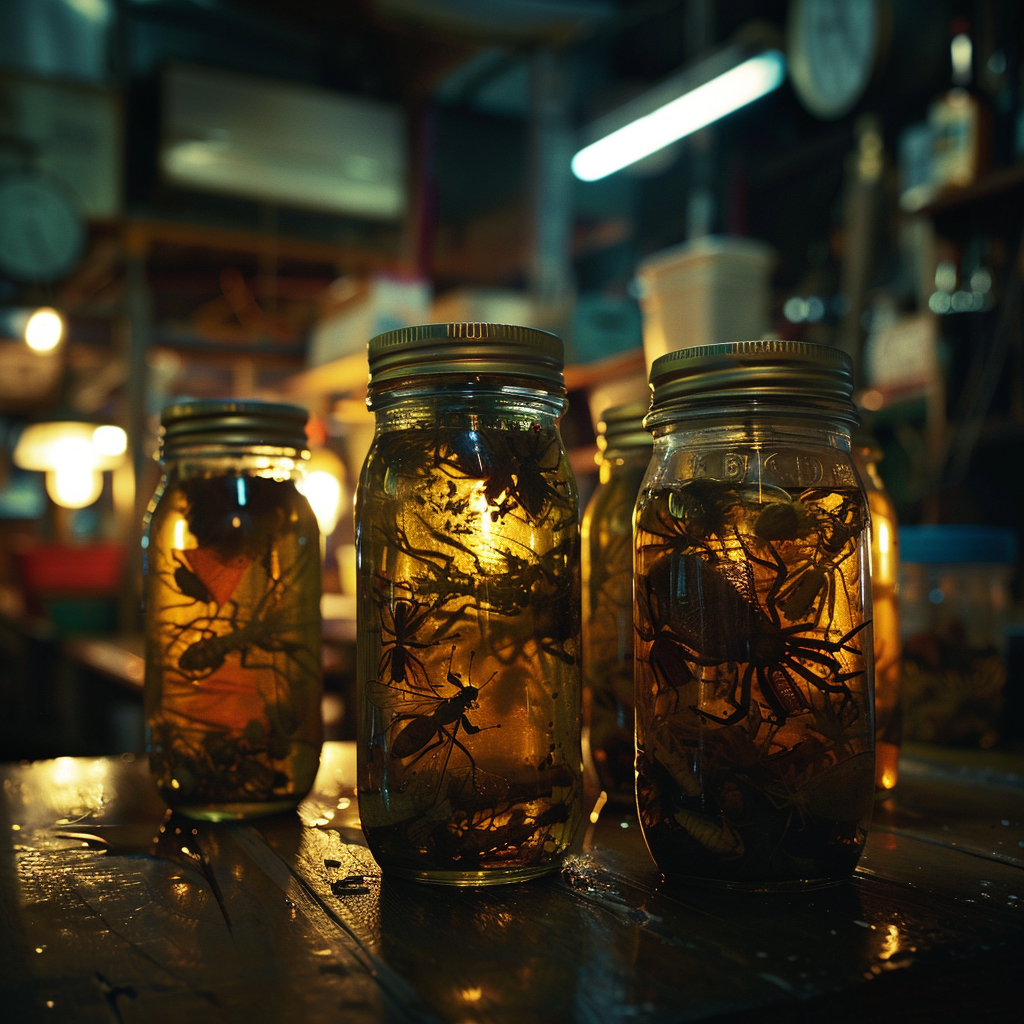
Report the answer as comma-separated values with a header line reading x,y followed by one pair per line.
x,y
390,697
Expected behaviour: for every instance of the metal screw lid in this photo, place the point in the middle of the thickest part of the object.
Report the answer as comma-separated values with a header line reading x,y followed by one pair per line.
x,y
465,348
232,424
622,426
794,376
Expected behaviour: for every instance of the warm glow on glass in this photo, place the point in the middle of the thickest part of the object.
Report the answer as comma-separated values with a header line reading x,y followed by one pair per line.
x,y
44,330
74,486
110,440
323,492
684,115
480,504
180,526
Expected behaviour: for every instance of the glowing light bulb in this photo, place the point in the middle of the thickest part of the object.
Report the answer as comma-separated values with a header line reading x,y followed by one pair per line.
x,y
323,492
74,486
110,440
44,330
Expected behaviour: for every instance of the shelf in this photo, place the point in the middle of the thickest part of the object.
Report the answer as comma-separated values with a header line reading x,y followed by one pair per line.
x,y
141,235
998,184
581,376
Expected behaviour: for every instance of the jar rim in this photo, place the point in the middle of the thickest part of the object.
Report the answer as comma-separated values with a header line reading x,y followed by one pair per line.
x,y
622,426
232,424
800,377
465,348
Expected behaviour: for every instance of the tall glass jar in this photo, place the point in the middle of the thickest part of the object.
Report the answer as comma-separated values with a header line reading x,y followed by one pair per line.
x,y
754,717
232,565
468,608
885,578
607,545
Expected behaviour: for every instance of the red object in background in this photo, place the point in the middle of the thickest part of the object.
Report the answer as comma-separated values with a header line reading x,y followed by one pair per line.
x,y
66,569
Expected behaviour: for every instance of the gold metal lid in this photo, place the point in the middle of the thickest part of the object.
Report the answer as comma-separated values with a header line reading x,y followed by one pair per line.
x,y
622,426
465,348
793,376
232,424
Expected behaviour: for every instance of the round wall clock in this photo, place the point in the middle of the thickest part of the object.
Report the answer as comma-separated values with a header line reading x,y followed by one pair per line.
x,y
833,50
41,233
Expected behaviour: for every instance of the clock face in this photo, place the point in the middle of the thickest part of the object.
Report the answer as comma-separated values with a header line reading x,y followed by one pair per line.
x,y
41,234
832,49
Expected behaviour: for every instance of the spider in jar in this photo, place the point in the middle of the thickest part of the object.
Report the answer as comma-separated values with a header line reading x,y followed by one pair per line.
x,y
699,515
515,466
713,621
818,577
401,621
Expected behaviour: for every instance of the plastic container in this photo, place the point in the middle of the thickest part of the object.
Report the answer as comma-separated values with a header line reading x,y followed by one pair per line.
x,y
704,292
955,599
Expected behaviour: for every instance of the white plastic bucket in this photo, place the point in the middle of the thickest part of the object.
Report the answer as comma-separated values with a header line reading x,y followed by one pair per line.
x,y
704,292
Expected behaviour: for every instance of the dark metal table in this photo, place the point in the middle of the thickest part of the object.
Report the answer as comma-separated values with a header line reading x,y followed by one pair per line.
x,y
105,918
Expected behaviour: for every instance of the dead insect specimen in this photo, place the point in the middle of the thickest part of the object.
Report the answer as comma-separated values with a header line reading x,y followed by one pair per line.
x,y
695,516
262,630
188,582
433,723
400,623
818,576
515,466
710,621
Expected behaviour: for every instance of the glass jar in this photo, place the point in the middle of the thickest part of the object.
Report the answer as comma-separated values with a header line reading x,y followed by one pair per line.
x,y
467,543
885,628
955,584
754,723
607,547
232,586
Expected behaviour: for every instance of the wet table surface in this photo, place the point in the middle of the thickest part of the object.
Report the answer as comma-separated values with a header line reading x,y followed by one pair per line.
x,y
103,917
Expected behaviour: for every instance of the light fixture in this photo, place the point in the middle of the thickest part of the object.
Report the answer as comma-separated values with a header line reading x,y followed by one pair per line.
x,y
678,107
322,488
43,330
73,455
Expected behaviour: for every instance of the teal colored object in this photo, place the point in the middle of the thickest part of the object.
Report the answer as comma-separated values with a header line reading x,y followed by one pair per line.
x,y
82,614
603,326
978,545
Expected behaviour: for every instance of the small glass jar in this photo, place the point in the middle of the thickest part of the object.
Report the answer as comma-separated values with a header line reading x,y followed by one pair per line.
x,y
885,627
467,543
955,601
232,566
607,547
754,718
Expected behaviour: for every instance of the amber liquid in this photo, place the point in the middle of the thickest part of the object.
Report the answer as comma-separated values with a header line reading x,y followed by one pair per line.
x,y
469,751
754,724
886,629
233,675
608,626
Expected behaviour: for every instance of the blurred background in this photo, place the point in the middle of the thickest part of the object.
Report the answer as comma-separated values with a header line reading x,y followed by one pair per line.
x,y
227,198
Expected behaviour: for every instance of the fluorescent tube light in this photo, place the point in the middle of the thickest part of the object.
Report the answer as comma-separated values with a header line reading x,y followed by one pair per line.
x,y
695,109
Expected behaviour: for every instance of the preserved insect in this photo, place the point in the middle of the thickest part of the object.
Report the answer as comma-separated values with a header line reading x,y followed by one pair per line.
x,y
754,717
469,649
233,675
607,548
